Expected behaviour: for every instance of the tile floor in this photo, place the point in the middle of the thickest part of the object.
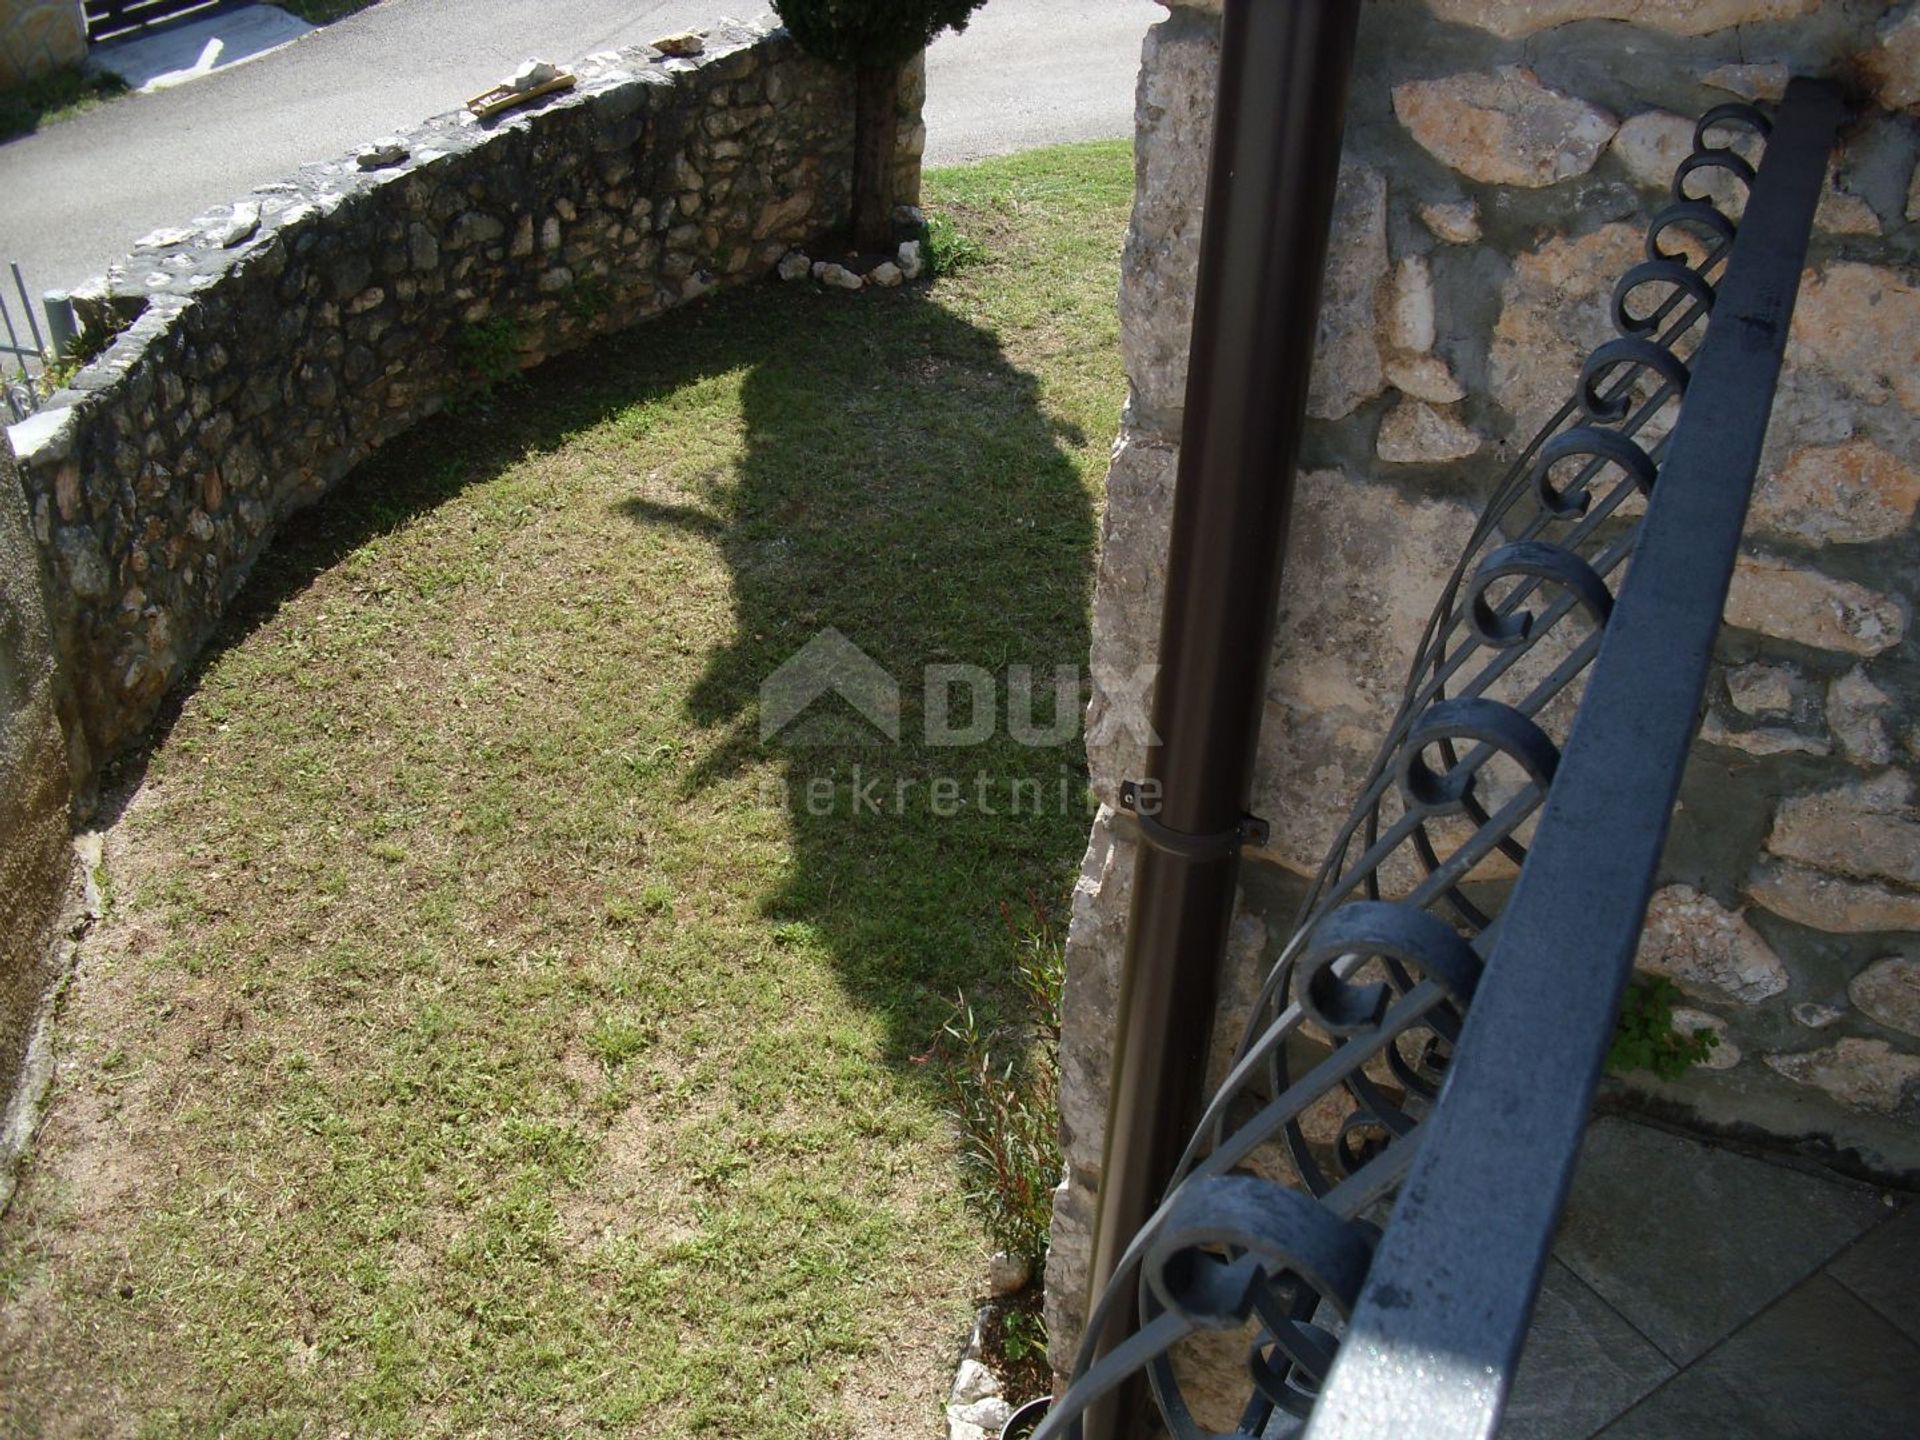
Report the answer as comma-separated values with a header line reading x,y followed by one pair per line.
x,y
1697,1293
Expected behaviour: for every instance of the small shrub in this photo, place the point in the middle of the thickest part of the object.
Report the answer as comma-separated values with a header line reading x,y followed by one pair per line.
x,y
1002,1088
488,353
1645,1037
949,251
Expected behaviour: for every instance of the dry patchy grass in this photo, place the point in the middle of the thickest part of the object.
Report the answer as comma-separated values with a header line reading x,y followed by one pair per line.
x,y
485,1036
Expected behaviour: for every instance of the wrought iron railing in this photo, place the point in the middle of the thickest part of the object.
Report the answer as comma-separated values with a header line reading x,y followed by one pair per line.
x,y
1436,1026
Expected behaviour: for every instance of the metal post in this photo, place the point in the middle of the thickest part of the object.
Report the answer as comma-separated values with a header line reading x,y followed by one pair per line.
x,y
62,332
1279,115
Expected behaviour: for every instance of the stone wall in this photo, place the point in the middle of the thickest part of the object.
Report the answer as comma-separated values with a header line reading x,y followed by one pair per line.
x,y
1502,158
38,36
35,859
272,344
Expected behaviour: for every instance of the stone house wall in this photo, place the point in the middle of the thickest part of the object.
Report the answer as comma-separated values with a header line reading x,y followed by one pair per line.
x,y
39,36
1502,158
272,344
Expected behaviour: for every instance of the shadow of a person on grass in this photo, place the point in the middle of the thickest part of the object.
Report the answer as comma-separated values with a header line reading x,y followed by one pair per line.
x,y
911,547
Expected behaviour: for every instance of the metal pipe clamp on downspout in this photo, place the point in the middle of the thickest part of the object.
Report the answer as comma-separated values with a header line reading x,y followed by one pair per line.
x,y
1280,110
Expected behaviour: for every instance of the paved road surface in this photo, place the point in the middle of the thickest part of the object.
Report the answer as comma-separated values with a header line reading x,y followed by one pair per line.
x,y
76,195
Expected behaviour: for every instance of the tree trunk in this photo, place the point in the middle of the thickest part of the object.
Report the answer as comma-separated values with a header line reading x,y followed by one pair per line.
x,y
876,91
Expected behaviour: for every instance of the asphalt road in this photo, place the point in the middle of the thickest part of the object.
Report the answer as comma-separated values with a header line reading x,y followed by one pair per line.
x,y
77,194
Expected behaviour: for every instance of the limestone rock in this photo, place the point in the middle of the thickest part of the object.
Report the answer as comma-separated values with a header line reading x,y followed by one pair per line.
x,y
1555,307
1867,1074
1762,739
1794,603
1651,144
379,154
1366,562
911,261
973,1381
829,273
1415,432
1749,82
984,1417
1347,368
1126,608
1173,124
1503,128
239,227
1816,1016
1511,19
681,43
1707,949
886,274
1856,711
1410,319
1888,993
1893,64
1840,907
1725,1054
1850,494
1760,689
1455,221
1425,377
1865,830
1842,213
1861,325
531,75
1007,1274
795,266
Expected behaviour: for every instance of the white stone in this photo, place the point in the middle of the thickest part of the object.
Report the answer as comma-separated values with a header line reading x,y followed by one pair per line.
x,y
1414,432
1894,63
910,258
1867,1074
973,1381
829,273
1760,689
886,274
1651,144
794,266
1410,321
1860,325
1455,221
680,43
1750,82
1007,1274
989,1415
1791,602
1827,902
1512,19
1424,377
1725,1054
379,154
1852,493
1762,739
1856,716
1865,830
1503,128
531,75
1347,369
239,227
1843,213
1888,993
1707,949
1816,1016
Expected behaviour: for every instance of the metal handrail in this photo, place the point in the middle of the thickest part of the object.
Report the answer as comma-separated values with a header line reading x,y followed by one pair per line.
x,y
1463,1036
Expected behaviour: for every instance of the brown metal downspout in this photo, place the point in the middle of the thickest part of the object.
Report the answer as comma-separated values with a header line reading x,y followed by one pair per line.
x,y
1280,110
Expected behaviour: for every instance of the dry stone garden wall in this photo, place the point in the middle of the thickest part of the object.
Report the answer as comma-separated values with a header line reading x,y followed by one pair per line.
x,y
1502,158
271,345
250,358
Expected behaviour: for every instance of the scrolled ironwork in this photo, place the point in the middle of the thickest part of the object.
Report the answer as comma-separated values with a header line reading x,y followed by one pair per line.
x,y
1354,1029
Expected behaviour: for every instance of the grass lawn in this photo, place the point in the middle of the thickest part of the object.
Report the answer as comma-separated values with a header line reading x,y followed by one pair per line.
x,y
488,1031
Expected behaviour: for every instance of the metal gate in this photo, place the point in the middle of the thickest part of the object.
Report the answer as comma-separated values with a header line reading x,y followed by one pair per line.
x,y
112,19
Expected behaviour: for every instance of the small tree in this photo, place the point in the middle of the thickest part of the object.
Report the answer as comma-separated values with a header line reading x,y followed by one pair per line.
x,y
874,38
